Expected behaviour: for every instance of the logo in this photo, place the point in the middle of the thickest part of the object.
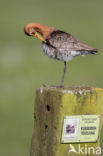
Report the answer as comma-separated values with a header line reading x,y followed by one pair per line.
x,y
72,149
85,150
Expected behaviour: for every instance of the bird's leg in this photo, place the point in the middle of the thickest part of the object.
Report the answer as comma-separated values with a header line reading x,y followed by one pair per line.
x,y
62,81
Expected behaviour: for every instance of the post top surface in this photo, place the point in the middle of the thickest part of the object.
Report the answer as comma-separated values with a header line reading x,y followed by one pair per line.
x,y
70,89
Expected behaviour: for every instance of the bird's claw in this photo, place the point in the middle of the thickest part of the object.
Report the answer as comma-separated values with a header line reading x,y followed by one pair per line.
x,y
61,86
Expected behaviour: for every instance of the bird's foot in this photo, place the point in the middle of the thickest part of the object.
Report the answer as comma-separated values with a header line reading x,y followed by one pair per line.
x,y
57,86
61,86
54,86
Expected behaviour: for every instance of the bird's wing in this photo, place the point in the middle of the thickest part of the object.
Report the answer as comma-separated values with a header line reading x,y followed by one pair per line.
x,y
66,41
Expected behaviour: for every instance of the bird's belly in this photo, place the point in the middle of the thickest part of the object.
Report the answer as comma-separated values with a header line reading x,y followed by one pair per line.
x,y
64,57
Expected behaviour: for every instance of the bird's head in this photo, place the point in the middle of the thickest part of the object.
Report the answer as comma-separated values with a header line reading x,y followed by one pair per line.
x,y
32,30
29,31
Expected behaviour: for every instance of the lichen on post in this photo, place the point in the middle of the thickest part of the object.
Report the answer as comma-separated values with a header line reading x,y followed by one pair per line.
x,y
51,105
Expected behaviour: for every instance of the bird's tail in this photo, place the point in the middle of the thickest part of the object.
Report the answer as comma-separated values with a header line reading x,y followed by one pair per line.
x,y
93,51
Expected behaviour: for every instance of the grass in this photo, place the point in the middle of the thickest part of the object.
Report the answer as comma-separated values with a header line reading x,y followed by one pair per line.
x,y
24,67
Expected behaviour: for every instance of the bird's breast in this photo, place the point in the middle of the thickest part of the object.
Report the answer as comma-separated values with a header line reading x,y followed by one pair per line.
x,y
48,50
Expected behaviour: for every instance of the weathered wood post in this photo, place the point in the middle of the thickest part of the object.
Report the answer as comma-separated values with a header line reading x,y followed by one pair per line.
x,y
52,105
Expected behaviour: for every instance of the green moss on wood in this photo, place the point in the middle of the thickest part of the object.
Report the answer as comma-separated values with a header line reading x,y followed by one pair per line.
x,y
52,104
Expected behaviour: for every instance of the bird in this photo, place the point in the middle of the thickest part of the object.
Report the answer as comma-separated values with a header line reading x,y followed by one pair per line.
x,y
58,44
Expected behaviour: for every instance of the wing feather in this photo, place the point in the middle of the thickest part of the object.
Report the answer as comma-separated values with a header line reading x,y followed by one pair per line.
x,y
66,41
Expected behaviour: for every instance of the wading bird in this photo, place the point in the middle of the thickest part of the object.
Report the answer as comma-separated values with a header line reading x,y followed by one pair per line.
x,y
58,44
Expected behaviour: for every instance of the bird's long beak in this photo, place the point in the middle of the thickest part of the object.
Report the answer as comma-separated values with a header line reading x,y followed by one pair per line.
x,y
40,37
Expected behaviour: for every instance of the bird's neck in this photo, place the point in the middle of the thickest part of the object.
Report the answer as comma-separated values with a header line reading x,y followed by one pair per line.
x,y
45,31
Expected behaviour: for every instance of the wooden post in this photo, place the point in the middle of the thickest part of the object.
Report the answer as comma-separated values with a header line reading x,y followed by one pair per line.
x,y
52,104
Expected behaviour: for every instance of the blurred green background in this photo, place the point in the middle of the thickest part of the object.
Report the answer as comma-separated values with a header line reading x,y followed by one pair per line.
x,y
24,67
